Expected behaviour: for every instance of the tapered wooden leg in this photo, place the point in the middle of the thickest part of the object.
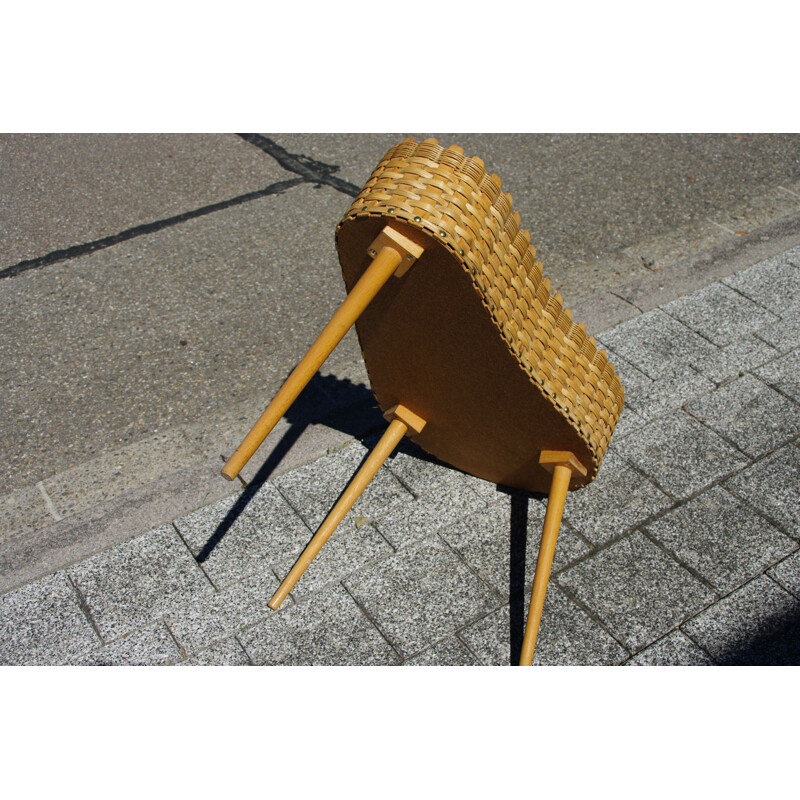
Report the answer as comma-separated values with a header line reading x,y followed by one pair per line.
x,y
563,465
401,420
395,254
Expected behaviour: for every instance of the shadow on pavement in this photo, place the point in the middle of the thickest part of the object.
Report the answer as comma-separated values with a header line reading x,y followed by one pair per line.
x,y
779,645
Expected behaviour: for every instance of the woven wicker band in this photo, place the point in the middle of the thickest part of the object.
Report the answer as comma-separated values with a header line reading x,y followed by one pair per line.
x,y
453,200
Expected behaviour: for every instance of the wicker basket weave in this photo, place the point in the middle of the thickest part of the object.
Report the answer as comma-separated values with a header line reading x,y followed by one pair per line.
x,y
454,201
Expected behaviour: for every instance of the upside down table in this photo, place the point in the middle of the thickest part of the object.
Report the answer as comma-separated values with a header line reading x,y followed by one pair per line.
x,y
468,351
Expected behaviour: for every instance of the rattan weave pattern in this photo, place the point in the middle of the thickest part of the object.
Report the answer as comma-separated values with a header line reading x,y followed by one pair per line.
x,y
452,197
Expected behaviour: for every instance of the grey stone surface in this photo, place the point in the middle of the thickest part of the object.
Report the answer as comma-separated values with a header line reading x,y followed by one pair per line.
x,y
195,625
680,455
656,344
617,500
758,211
328,630
628,422
758,624
23,511
225,653
567,635
494,540
412,520
674,650
783,374
149,647
636,589
669,393
772,485
719,313
787,573
42,551
119,368
314,489
750,414
420,594
429,478
734,253
783,337
119,472
450,652
135,583
773,284
721,538
64,189
243,534
349,549
42,623
743,355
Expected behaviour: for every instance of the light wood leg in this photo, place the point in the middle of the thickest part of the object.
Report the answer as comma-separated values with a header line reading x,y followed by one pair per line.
x,y
395,254
563,465
401,420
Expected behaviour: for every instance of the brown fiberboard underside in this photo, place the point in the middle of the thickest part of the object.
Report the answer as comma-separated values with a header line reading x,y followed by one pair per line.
x,y
430,343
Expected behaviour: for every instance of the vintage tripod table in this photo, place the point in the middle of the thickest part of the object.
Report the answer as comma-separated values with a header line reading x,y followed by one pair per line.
x,y
468,352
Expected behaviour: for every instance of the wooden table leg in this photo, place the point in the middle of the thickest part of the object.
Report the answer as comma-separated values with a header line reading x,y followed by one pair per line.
x,y
401,420
563,465
396,253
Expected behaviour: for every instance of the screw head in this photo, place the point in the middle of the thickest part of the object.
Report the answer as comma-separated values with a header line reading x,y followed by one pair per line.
x,y
417,219
373,252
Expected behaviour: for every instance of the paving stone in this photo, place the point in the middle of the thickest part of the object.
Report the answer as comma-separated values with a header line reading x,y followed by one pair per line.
x,y
314,489
617,500
757,624
750,414
42,623
656,344
670,392
743,355
628,422
721,538
195,625
773,284
417,518
420,594
329,629
137,582
567,635
244,534
784,336
719,313
679,454
787,573
450,652
350,548
149,647
489,538
675,649
772,485
636,589
225,653
783,374
427,477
